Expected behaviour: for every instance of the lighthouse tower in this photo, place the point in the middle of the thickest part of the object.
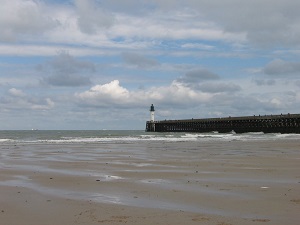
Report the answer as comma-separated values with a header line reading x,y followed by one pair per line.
x,y
152,113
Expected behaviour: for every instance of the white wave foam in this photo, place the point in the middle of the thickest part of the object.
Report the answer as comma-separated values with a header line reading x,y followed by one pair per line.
x,y
90,140
5,140
212,136
293,136
166,137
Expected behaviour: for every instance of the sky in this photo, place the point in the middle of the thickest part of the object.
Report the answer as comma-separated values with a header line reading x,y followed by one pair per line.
x,y
100,64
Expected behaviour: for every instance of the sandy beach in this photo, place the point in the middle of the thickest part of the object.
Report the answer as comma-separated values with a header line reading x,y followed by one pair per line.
x,y
213,183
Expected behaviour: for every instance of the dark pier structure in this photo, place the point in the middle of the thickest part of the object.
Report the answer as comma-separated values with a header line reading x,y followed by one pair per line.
x,y
288,123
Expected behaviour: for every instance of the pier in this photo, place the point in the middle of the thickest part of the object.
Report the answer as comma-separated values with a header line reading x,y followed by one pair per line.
x,y
287,123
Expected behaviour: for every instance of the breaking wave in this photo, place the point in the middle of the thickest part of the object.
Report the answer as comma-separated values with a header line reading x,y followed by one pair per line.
x,y
130,136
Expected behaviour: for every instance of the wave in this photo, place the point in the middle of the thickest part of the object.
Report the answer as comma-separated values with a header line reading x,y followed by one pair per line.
x,y
5,140
139,136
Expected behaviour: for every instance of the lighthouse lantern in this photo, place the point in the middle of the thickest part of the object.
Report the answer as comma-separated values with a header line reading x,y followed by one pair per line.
x,y
152,113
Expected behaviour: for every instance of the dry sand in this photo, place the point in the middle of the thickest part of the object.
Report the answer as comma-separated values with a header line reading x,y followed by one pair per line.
x,y
222,183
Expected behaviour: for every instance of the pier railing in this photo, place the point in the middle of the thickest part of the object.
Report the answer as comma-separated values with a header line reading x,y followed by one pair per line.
x,y
287,123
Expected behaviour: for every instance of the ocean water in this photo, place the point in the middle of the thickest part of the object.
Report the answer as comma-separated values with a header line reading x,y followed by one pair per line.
x,y
125,136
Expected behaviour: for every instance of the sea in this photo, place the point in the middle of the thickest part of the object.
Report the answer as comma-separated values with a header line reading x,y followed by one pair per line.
x,y
131,136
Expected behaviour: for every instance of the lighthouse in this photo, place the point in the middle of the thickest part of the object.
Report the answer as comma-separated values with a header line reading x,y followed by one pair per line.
x,y
152,113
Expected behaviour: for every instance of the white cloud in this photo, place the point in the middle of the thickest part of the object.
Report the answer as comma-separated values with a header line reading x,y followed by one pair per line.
x,y
276,102
91,25
179,94
162,25
53,50
99,24
276,23
198,46
19,18
112,89
103,95
16,93
114,95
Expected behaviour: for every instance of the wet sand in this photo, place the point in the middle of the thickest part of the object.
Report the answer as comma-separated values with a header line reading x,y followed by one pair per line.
x,y
220,183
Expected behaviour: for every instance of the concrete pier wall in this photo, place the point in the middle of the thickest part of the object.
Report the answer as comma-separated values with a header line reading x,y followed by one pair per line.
x,y
288,123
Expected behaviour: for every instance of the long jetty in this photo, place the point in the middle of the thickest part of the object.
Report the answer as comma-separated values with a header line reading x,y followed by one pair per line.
x,y
287,123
